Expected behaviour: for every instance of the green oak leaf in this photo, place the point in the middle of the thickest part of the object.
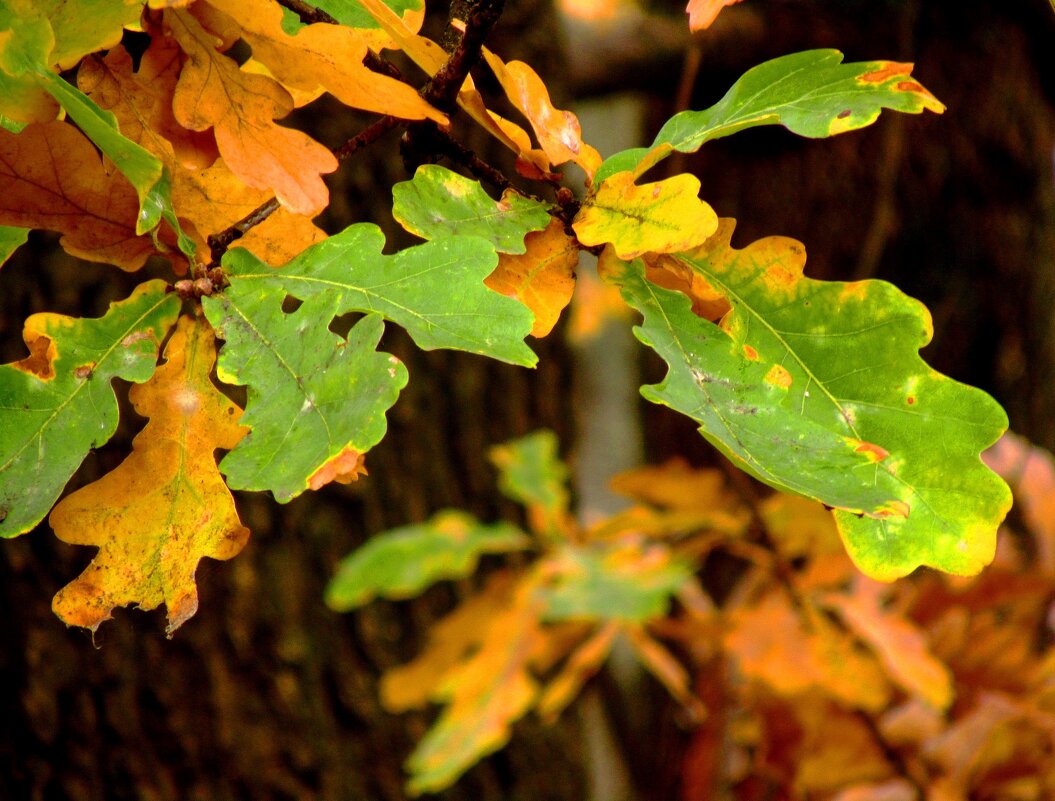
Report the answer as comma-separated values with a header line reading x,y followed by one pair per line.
x,y
352,14
403,562
812,94
847,355
740,404
314,398
437,202
57,403
531,473
624,581
434,290
11,238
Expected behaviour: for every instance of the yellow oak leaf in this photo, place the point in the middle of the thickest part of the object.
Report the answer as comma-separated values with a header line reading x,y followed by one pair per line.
x,y
581,665
703,12
558,132
543,278
241,108
484,694
410,686
662,217
330,56
53,178
165,506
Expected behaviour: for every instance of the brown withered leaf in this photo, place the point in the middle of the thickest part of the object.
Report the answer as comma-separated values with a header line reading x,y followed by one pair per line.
x,y
543,278
53,178
164,507
242,108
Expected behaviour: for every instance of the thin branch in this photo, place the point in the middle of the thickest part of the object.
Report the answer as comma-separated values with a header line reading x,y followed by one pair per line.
x,y
308,13
220,242
442,89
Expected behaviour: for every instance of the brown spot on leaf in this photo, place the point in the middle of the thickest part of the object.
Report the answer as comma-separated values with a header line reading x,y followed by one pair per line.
x,y
842,115
910,400
40,361
133,338
750,353
909,86
84,371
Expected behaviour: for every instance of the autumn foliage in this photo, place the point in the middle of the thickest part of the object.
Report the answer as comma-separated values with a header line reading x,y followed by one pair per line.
x,y
138,130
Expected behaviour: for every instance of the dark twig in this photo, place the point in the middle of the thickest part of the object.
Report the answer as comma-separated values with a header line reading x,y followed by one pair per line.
x,y
219,242
367,136
308,13
442,89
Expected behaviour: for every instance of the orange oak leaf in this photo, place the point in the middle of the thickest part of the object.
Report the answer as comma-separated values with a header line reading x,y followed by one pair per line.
x,y
558,132
581,665
543,278
53,178
703,12
897,642
771,643
206,195
671,273
142,102
165,506
330,56
241,108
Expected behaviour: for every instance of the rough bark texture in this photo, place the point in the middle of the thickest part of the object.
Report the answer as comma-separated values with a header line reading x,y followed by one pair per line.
x,y
267,695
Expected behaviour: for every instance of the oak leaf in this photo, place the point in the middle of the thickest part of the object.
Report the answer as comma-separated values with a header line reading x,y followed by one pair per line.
x,y
437,202
402,562
206,195
241,108
661,217
543,278
702,13
58,403
811,93
795,655
898,643
845,357
53,178
166,505
330,56
484,695
558,132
